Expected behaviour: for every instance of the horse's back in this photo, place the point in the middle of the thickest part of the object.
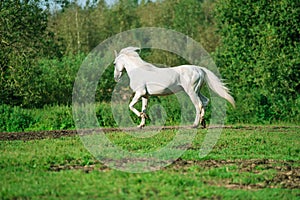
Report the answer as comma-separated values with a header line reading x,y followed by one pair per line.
x,y
190,73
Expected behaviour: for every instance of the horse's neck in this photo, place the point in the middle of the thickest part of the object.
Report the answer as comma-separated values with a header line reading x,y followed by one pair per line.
x,y
137,63
130,65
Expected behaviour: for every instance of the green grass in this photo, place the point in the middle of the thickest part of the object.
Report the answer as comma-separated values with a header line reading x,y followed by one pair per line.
x,y
30,169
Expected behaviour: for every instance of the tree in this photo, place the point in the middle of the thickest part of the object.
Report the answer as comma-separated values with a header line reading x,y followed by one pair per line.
x,y
191,17
23,38
260,57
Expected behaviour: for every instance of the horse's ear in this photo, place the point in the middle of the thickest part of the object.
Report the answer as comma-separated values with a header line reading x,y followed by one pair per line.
x,y
136,49
139,49
116,53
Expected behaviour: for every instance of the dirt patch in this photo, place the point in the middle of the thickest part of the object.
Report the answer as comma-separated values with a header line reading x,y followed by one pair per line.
x,y
287,172
37,135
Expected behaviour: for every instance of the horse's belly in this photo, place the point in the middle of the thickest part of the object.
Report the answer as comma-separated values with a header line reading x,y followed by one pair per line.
x,y
156,89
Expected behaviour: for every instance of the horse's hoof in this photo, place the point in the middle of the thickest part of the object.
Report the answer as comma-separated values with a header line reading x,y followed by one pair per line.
x,y
194,126
140,126
203,123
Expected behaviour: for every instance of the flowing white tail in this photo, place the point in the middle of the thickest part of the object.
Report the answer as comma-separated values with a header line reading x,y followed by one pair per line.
x,y
217,86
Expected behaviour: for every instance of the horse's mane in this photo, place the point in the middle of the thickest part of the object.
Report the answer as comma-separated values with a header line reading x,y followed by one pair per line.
x,y
131,53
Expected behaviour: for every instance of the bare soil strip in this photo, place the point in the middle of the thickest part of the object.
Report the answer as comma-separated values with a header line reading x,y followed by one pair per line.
x,y
36,135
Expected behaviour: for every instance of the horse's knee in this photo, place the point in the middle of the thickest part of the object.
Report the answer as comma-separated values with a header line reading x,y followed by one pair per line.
x,y
204,100
130,108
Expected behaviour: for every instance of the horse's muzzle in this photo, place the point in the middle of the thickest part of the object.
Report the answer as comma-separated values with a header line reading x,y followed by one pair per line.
x,y
117,78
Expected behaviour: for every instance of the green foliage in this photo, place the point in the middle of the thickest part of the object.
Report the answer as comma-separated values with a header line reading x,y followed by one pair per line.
x,y
14,119
83,28
49,81
56,79
23,39
105,116
52,118
260,58
162,111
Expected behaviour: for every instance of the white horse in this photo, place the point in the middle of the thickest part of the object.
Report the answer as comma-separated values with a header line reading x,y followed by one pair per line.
x,y
147,80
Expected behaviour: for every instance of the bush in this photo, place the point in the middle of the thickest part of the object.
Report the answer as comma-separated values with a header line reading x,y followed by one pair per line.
x,y
52,118
260,58
14,119
104,115
46,82
55,83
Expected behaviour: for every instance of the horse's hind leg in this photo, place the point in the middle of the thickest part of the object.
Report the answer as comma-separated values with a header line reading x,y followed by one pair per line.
x,y
202,119
204,101
198,106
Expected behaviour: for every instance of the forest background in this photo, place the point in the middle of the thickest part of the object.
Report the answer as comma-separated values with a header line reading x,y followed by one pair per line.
x,y
255,44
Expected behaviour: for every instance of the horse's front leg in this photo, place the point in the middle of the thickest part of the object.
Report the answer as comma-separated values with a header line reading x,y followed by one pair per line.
x,y
143,113
135,99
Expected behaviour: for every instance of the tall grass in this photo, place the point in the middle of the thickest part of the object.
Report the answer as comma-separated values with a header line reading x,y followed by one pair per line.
x,y
164,111
161,111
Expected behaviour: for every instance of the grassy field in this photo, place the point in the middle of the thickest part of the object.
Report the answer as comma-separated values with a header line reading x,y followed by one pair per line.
x,y
246,163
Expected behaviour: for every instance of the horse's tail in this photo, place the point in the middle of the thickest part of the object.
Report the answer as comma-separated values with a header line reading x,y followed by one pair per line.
x,y
217,86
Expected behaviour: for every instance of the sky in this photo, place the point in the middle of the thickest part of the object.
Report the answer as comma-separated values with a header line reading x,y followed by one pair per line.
x,y
109,2
54,6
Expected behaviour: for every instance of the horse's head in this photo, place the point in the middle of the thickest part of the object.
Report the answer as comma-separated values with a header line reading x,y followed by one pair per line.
x,y
119,67
120,60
